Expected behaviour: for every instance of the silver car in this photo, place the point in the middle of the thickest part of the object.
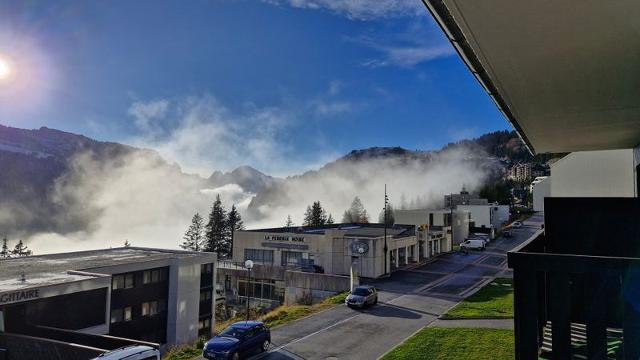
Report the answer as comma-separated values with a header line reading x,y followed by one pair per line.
x,y
362,296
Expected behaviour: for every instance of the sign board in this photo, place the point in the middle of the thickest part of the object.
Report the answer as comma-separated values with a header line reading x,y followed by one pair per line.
x,y
16,296
285,245
284,238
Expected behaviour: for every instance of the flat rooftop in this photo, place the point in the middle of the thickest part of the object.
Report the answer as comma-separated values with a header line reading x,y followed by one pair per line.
x,y
50,269
356,230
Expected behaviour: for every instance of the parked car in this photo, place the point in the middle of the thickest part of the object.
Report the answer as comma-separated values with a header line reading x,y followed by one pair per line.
x,y
237,341
507,234
133,352
362,296
313,269
516,224
473,244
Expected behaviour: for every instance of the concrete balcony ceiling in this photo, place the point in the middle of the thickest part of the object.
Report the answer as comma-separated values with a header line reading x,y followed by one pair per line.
x,y
565,73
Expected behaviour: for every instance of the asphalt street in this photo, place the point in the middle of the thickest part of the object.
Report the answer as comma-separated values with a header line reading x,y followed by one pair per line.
x,y
408,300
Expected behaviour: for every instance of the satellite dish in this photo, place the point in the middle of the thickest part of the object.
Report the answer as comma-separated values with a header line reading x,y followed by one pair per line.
x,y
248,264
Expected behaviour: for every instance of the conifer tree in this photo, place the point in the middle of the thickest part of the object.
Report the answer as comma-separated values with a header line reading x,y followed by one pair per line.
x,y
216,230
330,220
234,223
289,222
315,215
391,219
4,252
194,237
356,213
21,249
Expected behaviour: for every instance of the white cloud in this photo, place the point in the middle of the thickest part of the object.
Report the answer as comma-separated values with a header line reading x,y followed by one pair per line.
x,y
202,134
408,56
144,113
360,9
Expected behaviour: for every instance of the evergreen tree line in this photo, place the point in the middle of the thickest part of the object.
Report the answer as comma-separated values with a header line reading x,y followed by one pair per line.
x,y
218,232
316,215
20,249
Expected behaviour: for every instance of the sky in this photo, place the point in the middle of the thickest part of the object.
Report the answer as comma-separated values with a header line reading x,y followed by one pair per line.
x,y
281,85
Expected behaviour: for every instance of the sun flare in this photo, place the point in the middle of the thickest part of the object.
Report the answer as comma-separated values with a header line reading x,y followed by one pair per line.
x,y
5,69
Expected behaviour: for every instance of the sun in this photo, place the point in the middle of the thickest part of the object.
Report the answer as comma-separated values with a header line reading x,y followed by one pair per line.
x,y
5,69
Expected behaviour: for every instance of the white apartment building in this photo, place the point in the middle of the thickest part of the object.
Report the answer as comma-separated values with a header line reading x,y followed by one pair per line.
x,y
439,218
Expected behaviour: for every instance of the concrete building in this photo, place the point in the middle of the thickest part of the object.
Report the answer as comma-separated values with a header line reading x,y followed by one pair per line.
x,y
487,216
520,172
540,189
440,218
305,264
605,173
331,247
154,295
463,198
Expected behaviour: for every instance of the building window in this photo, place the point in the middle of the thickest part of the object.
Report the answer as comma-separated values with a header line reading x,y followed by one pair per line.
x,y
153,307
260,289
153,276
120,315
122,281
204,324
205,295
259,256
291,258
206,268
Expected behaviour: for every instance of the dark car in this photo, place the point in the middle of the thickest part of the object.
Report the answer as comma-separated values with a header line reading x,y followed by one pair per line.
x,y
238,340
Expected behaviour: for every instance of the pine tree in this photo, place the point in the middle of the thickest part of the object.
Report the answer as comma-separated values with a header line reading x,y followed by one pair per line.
x,y
194,239
315,215
4,252
234,223
356,213
216,230
127,243
391,219
21,249
289,222
330,220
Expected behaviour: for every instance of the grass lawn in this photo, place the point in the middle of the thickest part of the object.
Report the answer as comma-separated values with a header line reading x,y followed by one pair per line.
x,y
456,343
494,300
278,316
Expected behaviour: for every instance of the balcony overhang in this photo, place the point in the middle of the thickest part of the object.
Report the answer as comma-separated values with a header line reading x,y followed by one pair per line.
x,y
565,74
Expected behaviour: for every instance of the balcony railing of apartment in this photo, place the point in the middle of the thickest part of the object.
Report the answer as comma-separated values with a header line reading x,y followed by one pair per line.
x,y
581,273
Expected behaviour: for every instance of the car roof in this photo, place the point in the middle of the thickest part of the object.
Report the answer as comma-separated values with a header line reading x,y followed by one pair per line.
x,y
246,324
126,351
363,287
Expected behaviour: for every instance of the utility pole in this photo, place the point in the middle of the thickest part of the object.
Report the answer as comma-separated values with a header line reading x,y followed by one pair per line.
x,y
386,201
451,219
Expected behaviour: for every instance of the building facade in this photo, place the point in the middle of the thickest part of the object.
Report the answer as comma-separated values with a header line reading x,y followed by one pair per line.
x,y
153,295
455,231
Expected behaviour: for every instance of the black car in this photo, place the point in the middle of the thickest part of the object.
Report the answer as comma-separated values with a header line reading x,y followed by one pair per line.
x,y
238,340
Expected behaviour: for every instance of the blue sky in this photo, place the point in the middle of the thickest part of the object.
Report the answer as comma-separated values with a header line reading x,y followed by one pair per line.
x,y
282,85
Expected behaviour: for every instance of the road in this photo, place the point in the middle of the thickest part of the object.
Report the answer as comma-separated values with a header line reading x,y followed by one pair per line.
x,y
409,300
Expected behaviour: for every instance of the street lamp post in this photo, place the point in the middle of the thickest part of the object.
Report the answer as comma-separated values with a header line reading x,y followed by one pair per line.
x,y
248,265
386,249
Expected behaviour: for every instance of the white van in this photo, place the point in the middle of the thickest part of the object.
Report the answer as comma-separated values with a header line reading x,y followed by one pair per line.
x,y
473,244
133,352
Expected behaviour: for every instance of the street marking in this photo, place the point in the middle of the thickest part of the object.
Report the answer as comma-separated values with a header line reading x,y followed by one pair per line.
x,y
328,327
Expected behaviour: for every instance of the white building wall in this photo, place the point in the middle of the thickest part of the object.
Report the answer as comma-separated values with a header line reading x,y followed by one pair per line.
x,y
481,214
540,191
608,173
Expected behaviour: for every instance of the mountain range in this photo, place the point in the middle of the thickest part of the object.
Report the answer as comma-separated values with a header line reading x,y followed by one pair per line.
x,y
34,165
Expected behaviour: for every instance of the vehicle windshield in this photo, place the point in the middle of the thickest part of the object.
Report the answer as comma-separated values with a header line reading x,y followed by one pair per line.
x,y
234,332
360,292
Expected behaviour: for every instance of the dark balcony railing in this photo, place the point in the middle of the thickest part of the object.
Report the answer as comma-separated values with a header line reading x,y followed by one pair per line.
x,y
583,269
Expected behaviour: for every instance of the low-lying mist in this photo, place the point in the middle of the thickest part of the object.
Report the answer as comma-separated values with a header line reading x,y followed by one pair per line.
x,y
141,199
